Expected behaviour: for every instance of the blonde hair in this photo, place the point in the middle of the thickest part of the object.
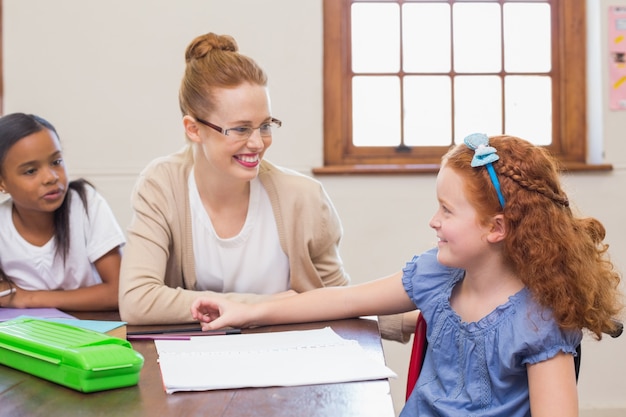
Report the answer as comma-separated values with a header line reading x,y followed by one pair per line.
x,y
561,258
213,61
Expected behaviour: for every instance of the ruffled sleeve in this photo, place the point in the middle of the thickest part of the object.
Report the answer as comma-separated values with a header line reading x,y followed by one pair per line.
x,y
545,339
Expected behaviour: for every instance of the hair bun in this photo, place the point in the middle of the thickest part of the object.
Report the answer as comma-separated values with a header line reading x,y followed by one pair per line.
x,y
204,44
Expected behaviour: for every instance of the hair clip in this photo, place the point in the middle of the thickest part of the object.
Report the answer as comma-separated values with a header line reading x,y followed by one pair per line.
x,y
485,155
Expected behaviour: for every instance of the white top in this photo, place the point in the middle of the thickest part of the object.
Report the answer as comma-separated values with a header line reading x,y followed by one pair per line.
x,y
251,262
38,268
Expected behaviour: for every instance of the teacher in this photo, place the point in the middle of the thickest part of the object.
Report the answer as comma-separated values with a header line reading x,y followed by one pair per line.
x,y
215,216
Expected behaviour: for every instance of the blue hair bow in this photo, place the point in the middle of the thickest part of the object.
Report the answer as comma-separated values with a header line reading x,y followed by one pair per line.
x,y
485,155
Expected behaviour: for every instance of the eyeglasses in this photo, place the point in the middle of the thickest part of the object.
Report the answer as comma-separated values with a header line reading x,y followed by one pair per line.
x,y
243,133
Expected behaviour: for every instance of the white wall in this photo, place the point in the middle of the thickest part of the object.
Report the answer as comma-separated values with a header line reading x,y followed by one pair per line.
x,y
106,73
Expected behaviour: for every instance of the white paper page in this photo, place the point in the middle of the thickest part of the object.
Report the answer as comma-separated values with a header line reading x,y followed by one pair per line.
x,y
265,359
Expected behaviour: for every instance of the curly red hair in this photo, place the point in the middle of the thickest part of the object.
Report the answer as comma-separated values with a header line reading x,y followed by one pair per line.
x,y
561,258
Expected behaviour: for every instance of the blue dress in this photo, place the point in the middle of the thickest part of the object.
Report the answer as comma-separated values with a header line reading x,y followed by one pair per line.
x,y
479,368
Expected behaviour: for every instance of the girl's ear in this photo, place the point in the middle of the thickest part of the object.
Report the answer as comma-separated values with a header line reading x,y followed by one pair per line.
x,y
498,229
191,128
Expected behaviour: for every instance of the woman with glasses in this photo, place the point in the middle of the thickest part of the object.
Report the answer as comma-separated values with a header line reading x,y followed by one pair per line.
x,y
216,216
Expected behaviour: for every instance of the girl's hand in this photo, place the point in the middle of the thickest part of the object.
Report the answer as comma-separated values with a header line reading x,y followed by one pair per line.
x,y
15,298
217,313
6,293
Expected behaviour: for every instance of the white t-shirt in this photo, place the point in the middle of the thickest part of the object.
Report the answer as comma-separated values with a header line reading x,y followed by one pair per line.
x,y
251,262
39,268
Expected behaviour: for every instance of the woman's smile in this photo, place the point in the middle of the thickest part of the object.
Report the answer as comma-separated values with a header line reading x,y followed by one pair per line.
x,y
248,160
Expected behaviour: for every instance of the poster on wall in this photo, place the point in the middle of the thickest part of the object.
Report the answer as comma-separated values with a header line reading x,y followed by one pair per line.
x,y
617,57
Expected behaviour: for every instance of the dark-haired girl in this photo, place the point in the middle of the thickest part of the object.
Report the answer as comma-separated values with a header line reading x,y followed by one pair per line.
x,y
60,245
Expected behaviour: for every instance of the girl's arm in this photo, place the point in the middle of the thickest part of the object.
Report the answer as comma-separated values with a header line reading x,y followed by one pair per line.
x,y
96,297
552,387
382,296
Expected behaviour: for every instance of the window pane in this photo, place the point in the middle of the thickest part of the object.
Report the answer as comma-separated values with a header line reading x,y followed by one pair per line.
x,y
426,37
527,37
528,108
477,46
376,111
477,106
375,37
427,111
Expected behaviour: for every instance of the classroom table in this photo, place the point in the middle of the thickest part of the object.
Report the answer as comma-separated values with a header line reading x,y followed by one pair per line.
x,y
24,395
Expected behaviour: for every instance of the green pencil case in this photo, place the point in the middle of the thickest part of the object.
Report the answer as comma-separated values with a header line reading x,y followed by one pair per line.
x,y
81,359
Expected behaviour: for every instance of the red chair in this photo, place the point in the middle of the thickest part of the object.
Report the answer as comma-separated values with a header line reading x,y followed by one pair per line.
x,y
417,354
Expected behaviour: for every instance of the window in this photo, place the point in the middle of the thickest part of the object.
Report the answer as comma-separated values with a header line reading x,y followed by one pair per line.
x,y
404,80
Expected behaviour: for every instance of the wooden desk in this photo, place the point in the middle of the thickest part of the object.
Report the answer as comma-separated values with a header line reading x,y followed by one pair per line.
x,y
24,395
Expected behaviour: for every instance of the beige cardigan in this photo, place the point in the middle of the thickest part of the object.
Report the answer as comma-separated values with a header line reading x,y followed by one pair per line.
x,y
158,277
